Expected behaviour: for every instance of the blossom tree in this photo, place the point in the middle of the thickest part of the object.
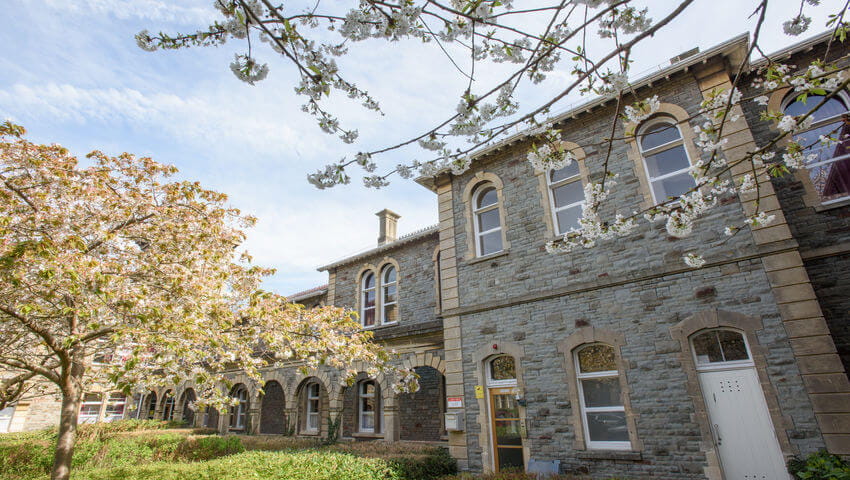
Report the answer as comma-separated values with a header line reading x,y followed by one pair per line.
x,y
115,256
591,39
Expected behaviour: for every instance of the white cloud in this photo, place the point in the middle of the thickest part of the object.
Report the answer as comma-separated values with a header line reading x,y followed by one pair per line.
x,y
190,12
208,120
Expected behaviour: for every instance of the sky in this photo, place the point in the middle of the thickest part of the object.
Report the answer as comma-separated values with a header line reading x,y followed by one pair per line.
x,y
71,73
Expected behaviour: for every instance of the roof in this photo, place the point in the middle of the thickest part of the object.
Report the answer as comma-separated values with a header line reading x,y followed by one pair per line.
x,y
313,292
735,49
403,240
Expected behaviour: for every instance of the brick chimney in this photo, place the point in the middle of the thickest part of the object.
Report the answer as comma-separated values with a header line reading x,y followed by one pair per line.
x,y
387,223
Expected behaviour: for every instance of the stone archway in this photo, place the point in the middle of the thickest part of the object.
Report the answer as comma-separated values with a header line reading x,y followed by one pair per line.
x,y
421,413
273,409
188,410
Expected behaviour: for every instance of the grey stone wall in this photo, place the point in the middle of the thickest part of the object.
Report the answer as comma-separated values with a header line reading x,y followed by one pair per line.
x,y
416,288
644,312
638,287
422,412
813,229
831,280
528,268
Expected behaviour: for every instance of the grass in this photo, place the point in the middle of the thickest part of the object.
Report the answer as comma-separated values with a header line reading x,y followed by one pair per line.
x,y
144,450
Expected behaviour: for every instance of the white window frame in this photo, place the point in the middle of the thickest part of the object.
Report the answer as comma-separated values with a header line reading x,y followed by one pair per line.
x,y
508,382
115,399
384,302
725,365
6,416
476,221
591,444
552,186
363,292
661,148
362,396
240,409
91,418
168,405
311,413
845,99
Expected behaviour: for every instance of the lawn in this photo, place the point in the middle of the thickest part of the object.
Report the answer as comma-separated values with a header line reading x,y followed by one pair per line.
x,y
134,450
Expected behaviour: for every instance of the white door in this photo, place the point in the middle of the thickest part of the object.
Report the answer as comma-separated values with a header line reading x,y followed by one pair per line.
x,y
6,418
740,423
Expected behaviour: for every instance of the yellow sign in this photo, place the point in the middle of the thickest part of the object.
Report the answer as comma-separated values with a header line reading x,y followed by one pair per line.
x,y
479,391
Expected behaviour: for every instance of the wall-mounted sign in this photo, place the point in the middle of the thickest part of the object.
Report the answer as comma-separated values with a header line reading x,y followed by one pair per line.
x,y
454,402
479,391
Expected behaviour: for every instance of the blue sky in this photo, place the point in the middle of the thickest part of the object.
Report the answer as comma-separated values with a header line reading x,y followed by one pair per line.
x,y
70,72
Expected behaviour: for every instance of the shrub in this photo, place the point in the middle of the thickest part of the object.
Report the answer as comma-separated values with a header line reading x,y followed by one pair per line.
x,y
819,466
435,464
195,449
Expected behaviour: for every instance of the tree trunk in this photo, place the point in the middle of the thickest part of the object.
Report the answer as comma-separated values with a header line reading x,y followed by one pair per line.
x,y
71,398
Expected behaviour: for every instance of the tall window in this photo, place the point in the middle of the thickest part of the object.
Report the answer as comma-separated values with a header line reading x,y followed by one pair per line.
x,y
90,408
367,300
602,410
566,192
151,410
389,299
665,158
829,170
488,223
239,412
168,406
367,403
313,407
115,405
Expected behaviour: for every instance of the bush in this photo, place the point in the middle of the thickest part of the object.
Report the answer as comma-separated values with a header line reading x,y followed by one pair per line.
x,y
304,465
435,464
196,449
819,466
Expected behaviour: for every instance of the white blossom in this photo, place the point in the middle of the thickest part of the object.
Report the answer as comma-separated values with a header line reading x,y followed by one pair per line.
x,y
693,260
797,25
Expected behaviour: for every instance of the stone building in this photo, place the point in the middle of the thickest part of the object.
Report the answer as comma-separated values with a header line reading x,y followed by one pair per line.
x,y
615,361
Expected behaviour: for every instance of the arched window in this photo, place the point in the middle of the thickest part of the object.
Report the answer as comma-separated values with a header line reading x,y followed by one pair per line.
x,y
665,158
168,406
368,407
829,170
488,223
367,300
602,410
151,413
501,370
566,194
239,412
720,349
389,297
189,407
313,408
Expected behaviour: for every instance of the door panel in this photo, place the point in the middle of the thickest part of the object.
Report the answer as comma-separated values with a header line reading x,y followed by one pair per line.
x,y
505,423
741,425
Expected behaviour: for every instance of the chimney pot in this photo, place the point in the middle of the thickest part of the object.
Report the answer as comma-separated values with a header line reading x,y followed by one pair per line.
x,y
387,226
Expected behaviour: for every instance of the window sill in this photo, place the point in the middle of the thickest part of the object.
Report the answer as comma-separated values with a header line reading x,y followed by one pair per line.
x,y
609,455
384,325
367,435
830,206
485,258
309,434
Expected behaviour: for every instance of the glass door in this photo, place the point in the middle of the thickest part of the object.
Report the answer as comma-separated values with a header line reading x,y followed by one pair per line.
x,y
507,441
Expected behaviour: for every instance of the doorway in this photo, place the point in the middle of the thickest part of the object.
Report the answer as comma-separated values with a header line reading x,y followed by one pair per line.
x,y
740,424
505,420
